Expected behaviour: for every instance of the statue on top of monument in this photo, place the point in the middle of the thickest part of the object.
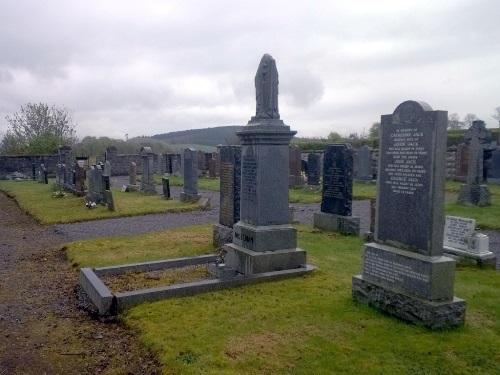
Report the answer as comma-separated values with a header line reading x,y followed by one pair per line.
x,y
266,89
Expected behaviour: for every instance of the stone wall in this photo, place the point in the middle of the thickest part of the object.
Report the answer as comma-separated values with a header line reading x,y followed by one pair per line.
x,y
23,164
120,163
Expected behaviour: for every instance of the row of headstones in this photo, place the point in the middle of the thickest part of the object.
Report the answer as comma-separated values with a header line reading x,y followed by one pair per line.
x,y
70,178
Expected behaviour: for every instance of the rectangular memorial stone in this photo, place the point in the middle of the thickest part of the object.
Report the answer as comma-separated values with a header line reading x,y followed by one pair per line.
x,y
313,169
230,185
412,173
337,180
456,231
494,175
364,159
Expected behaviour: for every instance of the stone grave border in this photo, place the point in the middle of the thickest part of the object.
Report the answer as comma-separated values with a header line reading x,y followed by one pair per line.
x,y
111,304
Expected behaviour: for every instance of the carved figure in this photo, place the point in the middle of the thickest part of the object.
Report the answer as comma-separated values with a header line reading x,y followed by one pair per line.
x,y
266,88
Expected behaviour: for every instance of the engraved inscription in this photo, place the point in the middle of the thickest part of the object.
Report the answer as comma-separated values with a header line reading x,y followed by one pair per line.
x,y
389,270
249,178
456,231
406,155
226,190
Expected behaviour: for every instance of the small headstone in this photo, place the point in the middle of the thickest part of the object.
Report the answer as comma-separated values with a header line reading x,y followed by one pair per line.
x,y
79,180
336,202
190,188
313,169
295,166
166,187
147,181
462,162
475,192
212,168
133,174
108,199
364,157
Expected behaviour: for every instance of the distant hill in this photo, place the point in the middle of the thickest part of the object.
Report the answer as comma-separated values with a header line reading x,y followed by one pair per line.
x,y
220,135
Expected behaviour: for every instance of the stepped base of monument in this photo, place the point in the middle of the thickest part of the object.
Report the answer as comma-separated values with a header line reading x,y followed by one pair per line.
x,y
346,225
431,314
483,260
249,262
222,235
189,198
474,195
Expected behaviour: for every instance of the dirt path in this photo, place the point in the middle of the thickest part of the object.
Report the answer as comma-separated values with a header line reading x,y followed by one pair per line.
x,y
42,331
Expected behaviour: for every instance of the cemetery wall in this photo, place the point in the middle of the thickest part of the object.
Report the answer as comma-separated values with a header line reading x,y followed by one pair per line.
x,y
120,163
22,164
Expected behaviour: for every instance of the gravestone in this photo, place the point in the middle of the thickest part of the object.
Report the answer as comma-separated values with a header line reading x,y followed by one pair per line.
x,y
494,177
462,242
190,188
230,186
212,168
95,184
147,180
404,272
313,169
336,201
364,158
107,168
475,192
295,165
132,174
79,180
166,187
462,162
200,157
263,239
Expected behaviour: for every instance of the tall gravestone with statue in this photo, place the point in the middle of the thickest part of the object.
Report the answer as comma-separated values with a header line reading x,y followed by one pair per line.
x,y
475,192
263,239
336,200
404,272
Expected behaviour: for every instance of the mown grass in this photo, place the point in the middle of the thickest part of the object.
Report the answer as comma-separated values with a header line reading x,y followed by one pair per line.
x,y
305,325
204,183
37,199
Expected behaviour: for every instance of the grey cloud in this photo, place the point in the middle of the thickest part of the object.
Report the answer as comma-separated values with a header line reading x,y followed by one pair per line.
x,y
301,87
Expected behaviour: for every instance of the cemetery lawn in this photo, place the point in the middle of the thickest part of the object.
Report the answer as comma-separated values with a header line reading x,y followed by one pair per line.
x,y
486,217
304,325
204,183
38,200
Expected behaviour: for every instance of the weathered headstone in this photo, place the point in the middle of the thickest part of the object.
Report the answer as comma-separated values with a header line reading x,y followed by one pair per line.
x,y
147,179
230,186
166,187
263,239
475,191
295,166
494,176
313,169
364,158
79,180
132,174
336,202
189,192
404,271
212,168
462,162
95,190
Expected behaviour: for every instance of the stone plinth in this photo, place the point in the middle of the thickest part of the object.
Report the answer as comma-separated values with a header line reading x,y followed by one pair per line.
x,y
474,195
346,225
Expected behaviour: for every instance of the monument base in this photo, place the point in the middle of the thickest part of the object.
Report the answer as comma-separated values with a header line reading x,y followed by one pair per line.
x,y
264,238
483,260
249,262
474,195
347,225
222,235
190,198
433,315
295,181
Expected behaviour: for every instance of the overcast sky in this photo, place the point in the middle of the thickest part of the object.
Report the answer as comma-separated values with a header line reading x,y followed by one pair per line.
x,y
149,67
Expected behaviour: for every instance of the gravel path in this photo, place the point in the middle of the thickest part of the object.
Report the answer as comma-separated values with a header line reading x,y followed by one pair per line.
x,y
131,226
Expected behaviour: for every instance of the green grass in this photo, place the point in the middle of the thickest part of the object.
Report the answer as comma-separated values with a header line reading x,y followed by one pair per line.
x,y
305,325
37,199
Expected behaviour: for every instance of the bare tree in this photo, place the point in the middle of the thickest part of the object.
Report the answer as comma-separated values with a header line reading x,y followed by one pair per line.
x,y
469,119
496,115
454,121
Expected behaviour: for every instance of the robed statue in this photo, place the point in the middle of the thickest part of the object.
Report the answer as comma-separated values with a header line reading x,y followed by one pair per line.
x,y
266,89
